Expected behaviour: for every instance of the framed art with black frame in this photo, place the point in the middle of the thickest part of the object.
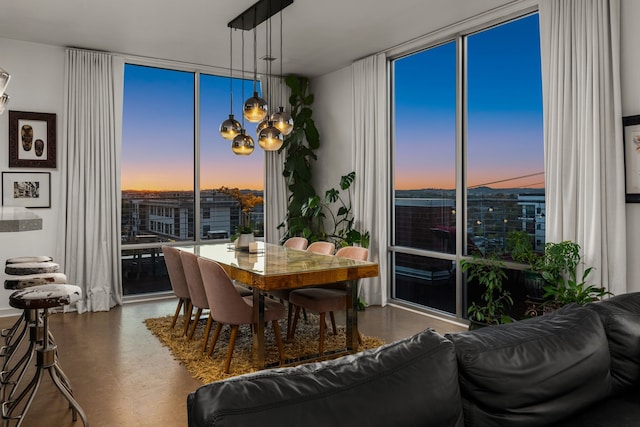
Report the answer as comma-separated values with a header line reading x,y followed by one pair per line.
x,y
631,127
32,140
26,189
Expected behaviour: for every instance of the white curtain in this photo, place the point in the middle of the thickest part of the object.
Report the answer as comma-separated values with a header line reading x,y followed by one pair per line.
x,y
580,49
371,154
90,165
276,193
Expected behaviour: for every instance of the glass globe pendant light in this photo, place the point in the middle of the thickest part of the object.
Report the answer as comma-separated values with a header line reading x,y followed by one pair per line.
x,y
282,120
270,138
255,108
242,144
230,128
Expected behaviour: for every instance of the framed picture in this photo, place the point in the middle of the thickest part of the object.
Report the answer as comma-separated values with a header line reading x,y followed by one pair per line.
x,y
32,140
631,127
26,189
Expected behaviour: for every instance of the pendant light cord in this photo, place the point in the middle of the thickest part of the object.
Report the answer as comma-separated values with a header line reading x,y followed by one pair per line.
x,y
281,76
230,70
255,54
243,70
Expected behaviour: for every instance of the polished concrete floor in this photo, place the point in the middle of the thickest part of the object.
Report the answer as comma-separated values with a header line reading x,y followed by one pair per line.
x,y
122,376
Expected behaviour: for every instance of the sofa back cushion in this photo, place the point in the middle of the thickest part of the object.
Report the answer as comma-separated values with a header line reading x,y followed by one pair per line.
x,y
533,372
413,382
620,316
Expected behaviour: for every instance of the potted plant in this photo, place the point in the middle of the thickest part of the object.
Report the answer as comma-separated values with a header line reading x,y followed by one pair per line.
x,y
247,201
560,271
495,300
520,247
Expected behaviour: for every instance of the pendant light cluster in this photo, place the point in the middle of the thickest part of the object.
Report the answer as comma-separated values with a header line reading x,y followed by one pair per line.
x,y
4,82
271,129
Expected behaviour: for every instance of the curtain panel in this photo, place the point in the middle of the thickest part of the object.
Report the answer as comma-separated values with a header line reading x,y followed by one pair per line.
x,y
371,153
584,165
276,193
90,165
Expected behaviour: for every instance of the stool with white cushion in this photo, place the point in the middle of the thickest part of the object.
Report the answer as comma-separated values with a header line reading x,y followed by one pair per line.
x,y
42,298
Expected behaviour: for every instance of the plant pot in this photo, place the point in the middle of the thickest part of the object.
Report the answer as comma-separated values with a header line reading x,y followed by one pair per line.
x,y
243,240
534,283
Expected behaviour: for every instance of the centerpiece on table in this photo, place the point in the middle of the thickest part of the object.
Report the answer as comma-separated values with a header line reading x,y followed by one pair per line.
x,y
247,201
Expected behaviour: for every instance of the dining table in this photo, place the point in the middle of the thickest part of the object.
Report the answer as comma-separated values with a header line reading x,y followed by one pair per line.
x,y
270,267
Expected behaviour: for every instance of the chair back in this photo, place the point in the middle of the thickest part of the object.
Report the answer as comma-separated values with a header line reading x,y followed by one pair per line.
x,y
194,279
176,272
354,252
225,303
324,248
296,243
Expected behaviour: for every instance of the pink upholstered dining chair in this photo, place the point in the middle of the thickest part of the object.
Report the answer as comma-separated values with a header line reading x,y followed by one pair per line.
x,y
229,308
322,300
296,243
198,295
324,248
178,281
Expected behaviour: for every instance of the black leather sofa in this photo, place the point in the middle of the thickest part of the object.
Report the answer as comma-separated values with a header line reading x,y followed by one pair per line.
x,y
577,366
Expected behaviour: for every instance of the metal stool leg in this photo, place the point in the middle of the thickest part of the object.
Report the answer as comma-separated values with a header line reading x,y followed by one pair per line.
x,y
46,360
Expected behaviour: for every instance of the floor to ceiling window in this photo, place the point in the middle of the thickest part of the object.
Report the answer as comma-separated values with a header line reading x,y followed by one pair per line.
x,y
468,157
173,160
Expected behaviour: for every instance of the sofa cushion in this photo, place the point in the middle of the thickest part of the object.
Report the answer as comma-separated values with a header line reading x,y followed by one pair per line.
x,y
620,316
412,382
533,372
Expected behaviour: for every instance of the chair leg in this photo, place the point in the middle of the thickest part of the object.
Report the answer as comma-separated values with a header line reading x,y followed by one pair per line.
x,y
289,319
295,322
333,323
207,331
187,318
322,327
175,316
232,344
276,332
196,319
216,334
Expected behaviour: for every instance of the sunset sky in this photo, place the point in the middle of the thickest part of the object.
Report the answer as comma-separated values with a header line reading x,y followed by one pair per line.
x,y
504,116
504,121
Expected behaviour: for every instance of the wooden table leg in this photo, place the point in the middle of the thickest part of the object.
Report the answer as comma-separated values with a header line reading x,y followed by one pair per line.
x,y
258,329
352,315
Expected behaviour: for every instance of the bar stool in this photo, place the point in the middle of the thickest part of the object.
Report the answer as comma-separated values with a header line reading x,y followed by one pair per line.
x,y
30,271
27,320
43,298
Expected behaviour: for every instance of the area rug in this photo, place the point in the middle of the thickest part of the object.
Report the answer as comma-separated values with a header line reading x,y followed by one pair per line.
x,y
208,369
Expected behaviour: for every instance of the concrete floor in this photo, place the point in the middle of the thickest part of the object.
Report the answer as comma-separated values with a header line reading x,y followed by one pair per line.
x,y
122,376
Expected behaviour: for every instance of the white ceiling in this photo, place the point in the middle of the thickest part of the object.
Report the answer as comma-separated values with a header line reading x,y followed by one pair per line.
x,y
320,36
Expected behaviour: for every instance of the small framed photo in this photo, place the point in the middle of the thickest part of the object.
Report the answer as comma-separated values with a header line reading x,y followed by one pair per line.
x,y
32,140
26,189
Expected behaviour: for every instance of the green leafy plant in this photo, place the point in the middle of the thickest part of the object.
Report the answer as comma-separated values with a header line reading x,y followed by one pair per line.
x,y
496,301
343,232
299,148
560,270
306,210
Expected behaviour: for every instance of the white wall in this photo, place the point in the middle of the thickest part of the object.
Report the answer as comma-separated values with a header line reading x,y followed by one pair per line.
x,y
332,111
630,82
333,115
37,77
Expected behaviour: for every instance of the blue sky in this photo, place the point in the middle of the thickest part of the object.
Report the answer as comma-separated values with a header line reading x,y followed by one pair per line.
x,y
504,110
504,119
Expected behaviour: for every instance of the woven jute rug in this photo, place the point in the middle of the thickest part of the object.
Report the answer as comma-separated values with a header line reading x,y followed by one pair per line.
x,y
208,369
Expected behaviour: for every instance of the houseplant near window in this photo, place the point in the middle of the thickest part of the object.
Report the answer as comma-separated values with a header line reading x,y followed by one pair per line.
x,y
495,300
247,202
559,268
